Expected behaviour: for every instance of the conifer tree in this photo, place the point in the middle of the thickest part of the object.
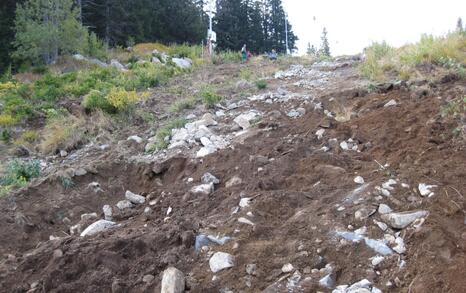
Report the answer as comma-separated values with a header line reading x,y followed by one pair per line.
x,y
325,47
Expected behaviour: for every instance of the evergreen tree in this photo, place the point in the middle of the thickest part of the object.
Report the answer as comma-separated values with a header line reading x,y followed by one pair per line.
x,y
46,28
7,33
459,25
325,47
311,50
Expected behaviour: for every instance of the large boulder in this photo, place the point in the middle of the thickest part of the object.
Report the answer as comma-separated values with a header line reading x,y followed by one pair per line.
x,y
173,281
183,63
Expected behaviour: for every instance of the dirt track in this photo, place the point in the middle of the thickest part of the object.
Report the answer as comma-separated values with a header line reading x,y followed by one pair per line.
x,y
301,195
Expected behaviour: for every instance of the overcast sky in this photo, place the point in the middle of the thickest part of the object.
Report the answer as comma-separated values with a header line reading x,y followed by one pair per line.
x,y
354,24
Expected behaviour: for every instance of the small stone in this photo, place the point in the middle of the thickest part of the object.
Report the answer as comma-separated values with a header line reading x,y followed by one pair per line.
x,y
363,213
245,202
209,178
233,182
88,216
245,221
57,253
381,225
173,281
203,189
327,281
148,278
124,204
344,145
134,198
376,260
359,180
80,172
388,185
97,227
135,138
205,151
220,261
384,209
108,213
147,210
251,269
425,190
400,245
287,268
390,103
403,219
63,153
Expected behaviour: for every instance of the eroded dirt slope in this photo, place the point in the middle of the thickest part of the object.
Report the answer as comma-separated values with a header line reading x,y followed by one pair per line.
x,y
309,191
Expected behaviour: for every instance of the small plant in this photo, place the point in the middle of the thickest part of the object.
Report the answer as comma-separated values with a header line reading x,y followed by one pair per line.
x,y
5,136
181,105
7,120
245,74
18,173
209,97
261,84
66,182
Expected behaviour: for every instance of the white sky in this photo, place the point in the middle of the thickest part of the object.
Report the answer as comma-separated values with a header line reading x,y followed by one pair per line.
x,y
354,24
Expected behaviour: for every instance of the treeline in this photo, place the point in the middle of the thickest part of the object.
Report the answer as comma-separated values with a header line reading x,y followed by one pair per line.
x,y
260,24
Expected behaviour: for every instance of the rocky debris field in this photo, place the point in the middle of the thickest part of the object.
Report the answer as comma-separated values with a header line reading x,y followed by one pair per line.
x,y
315,184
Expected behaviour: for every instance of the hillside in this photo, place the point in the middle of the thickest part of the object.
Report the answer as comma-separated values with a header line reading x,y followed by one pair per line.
x,y
319,179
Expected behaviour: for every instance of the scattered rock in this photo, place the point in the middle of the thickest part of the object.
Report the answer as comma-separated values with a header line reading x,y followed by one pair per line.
x,y
359,180
244,202
124,204
400,245
80,172
134,198
203,189
287,268
235,180
63,153
320,133
108,213
183,63
384,209
327,281
205,151
390,103
245,221
117,64
88,216
97,227
220,261
403,219
148,278
425,190
135,138
251,269
364,213
173,281
208,178
376,260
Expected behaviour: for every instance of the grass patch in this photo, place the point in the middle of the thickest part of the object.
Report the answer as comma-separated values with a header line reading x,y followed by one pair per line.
x,y
18,173
63,133
162,137
209,97
225,57
181,105
447,51
261,84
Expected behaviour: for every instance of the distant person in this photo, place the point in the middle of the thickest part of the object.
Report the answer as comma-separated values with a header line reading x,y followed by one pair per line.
x,y
273,55
249,56
244,53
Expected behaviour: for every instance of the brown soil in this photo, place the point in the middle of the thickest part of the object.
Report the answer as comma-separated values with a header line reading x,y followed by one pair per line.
x,y
296,196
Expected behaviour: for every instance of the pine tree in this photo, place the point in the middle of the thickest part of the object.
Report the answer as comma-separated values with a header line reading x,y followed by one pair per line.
x,y
47,28
325,47
7,34
459,25
311,50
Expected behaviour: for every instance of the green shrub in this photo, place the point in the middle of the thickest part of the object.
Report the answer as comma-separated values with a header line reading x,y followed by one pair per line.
x,y
40,69
185,51
373,66
97,100
166,131
261,84
226,57
181,105
18,172
95,47
209,97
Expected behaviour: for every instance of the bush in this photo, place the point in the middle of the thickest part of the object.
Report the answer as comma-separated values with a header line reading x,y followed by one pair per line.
x,y
179,106
226,57
7,120
209,97
261,84
18,173
97,100
373,67
95,47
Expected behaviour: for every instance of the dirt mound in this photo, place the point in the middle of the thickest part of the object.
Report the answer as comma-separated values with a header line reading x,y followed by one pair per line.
x,y
294,201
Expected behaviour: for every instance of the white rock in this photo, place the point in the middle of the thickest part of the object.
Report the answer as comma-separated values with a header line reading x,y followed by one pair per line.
x,y
209,178
400,245
384,209
233,182
135,138
220,113
376,290
359,180
124,204
287,268
117,64
390,103
376,260
251,269
220,261
203,189
205,151
97,227
361,231
381,225
244,202
63,153
108,212
169,210
388,185
320,133
326,281
183,63
245,221
425,189
205,141
88,216
179,134
134,198
147,210
172,281
344,145
403,219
